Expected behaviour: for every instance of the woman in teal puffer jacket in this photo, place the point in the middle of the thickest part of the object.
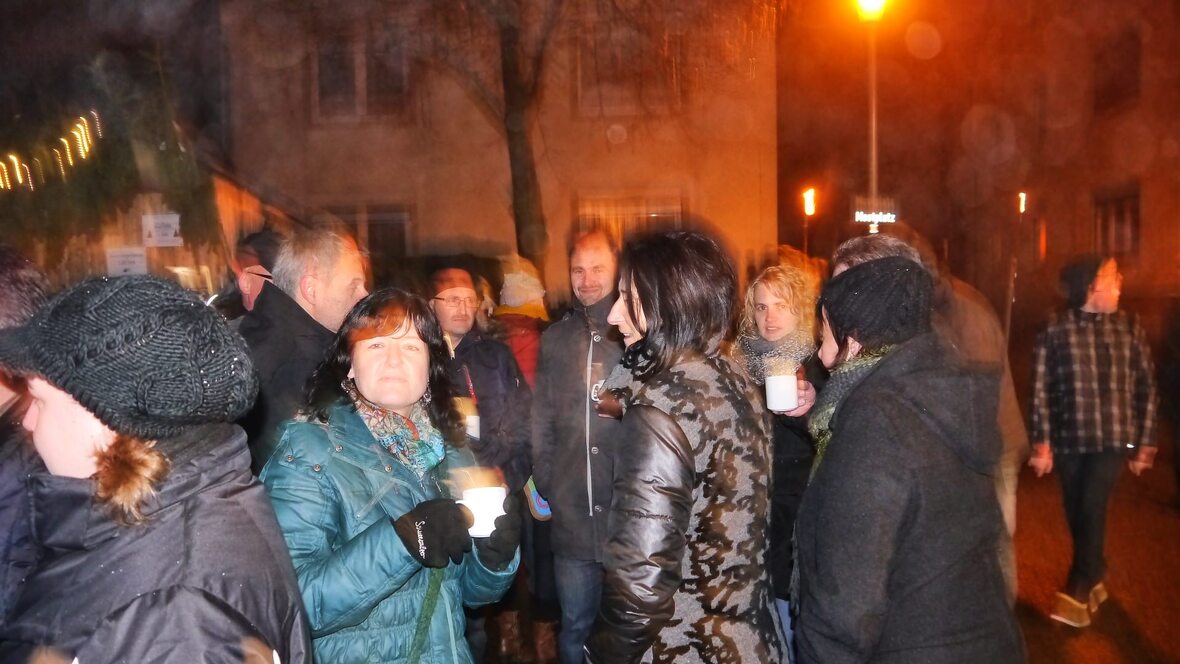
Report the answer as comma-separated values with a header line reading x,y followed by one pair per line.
x,y
362,488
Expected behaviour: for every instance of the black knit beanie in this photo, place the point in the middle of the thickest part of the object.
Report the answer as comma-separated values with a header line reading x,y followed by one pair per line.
x,y
879,303
147,357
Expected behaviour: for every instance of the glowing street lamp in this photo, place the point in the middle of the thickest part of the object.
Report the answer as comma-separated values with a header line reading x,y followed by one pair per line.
x,y
808,213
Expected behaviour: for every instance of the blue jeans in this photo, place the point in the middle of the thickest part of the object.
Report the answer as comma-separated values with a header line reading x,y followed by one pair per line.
x,y
784,615
579,592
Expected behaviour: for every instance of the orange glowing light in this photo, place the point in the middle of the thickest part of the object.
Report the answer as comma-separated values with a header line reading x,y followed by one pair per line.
x,y
1023,201
28,176
61,166
69,157
809,201
20,179
97,123
81,146
4,181
870,10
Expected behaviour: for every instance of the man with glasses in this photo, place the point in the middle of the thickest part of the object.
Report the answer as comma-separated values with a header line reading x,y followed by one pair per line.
x,y
496,401
1093,409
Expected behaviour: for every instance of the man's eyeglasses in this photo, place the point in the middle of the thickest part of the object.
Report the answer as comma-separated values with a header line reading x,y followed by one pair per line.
x,y
454,301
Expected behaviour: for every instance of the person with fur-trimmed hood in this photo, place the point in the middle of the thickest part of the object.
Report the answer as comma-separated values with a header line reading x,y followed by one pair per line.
x,y
159,544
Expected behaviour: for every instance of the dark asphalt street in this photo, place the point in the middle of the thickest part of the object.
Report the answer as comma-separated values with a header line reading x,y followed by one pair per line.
x,y
1140,623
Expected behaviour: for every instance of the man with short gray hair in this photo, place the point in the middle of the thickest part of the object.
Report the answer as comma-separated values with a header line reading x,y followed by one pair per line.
x,y
318,276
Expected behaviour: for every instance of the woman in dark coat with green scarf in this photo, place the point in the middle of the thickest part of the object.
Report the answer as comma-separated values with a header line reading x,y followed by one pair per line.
x,y
897,530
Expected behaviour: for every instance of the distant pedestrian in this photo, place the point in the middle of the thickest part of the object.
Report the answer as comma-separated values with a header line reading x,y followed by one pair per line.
x,y
159,544
1093,409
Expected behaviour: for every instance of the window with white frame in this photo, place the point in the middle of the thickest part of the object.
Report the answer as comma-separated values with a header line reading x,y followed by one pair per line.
x,y
358,73
624,216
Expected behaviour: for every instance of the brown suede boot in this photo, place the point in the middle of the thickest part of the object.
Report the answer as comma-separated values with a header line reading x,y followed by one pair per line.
x,y
512,646
545,640
1070,611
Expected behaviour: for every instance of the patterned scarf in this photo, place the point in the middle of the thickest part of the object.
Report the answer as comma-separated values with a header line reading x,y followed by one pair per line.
x,y
762,358
844,377
413,441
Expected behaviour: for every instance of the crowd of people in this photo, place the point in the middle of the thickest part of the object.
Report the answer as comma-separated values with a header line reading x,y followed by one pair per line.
x,y
302,471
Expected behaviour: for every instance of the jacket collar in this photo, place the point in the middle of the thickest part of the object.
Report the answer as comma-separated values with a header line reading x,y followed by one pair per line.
x,y
596,313
66,515
275,308
351,439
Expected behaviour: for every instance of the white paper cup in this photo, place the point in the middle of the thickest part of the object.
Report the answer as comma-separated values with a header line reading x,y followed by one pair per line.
x,y
485,503
782,392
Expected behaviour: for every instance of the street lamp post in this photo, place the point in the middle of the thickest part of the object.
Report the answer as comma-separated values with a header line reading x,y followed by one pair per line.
x,y
870,12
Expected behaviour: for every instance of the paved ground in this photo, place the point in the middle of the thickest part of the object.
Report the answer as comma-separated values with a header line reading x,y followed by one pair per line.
x,y
1141,622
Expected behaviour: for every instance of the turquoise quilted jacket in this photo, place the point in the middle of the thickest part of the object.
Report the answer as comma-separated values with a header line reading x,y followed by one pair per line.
x,y
334,490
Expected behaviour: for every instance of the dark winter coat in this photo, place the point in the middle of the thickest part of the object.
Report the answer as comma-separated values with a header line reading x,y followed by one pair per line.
x,y
503,402
794,453
18,460
897,530
205,571
574,448
686,579
287,345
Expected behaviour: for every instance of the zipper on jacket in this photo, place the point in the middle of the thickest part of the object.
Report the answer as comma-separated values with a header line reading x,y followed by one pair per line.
x,y
589,387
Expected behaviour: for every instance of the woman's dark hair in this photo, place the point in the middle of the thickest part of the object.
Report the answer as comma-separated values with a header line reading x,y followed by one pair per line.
x,y
1078,276
380,313
687,288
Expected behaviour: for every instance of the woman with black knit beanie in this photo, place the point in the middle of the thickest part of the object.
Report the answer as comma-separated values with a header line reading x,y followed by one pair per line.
x,y
897,531
159,544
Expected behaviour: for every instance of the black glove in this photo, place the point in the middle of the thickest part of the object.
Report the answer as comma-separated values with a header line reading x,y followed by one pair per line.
x,y
496,551
434,531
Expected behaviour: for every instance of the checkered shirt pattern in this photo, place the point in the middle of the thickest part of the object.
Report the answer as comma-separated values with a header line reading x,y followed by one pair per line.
x,y
1093,384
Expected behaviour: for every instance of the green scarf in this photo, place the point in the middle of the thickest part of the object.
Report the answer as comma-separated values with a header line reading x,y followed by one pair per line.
x,y
845,376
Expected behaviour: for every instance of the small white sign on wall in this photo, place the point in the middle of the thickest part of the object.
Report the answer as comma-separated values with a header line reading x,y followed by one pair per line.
x,y
127,260
162,230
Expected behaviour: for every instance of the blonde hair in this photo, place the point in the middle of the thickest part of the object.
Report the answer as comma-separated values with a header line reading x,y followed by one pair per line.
x,y
793,285
128,472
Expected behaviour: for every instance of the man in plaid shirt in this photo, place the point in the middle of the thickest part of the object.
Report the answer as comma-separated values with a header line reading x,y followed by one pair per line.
x,y
1093,406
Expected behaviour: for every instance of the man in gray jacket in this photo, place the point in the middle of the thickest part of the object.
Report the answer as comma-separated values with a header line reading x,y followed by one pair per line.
x,y
573,448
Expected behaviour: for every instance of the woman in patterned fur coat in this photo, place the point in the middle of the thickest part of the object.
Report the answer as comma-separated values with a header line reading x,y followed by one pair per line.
x,y
686,578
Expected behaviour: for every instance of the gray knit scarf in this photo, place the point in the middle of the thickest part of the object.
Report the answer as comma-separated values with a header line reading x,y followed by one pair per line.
x,y
845,376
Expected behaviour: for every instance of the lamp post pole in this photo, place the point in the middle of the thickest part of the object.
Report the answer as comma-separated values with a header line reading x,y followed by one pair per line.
x,y
870,12
873,111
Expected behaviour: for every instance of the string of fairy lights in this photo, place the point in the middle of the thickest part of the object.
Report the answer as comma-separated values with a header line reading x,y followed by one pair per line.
x,y
69,151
